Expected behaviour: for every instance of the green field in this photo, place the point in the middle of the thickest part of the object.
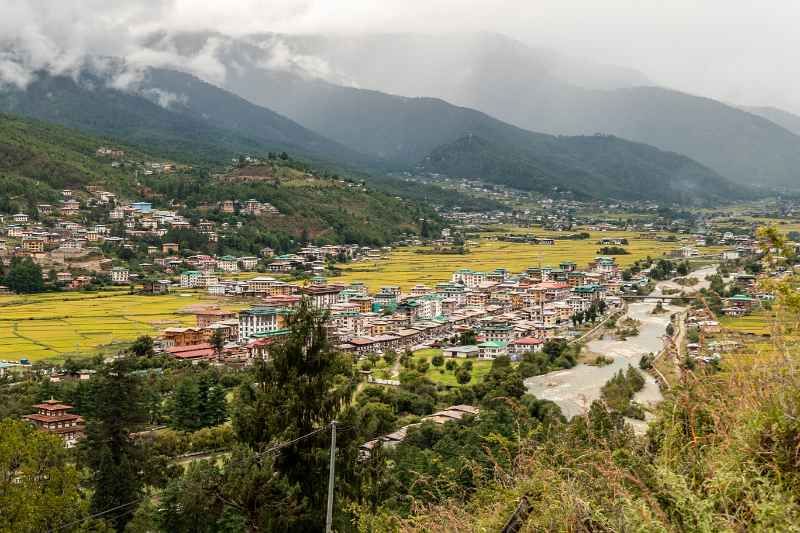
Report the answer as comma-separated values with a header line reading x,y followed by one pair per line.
x,y
53,325
480,367
406,268
757,323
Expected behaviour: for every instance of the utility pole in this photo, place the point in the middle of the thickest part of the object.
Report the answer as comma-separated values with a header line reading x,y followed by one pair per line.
x,y
329,516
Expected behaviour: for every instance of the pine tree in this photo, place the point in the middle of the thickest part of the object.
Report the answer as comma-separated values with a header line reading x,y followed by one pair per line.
x,y
305,384
185,412
109,449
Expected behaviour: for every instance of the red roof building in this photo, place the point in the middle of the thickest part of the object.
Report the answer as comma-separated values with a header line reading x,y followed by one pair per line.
x,y
193,351
53,416
525,345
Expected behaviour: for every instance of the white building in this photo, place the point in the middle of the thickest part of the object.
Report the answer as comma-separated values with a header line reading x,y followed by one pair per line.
x,y
190,279
120,275
228,263
248,263
258,320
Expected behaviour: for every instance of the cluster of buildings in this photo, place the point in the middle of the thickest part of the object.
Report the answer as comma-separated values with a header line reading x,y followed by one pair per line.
x,y
509,314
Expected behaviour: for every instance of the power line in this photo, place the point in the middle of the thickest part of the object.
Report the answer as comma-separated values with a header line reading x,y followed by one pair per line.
x,y
95,515
271,450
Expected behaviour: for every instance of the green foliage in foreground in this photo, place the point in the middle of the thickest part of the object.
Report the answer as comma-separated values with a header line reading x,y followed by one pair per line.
x,y
721,455
39,489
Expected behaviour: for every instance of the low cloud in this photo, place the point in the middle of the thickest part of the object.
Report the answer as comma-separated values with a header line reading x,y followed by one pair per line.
x,y
738,51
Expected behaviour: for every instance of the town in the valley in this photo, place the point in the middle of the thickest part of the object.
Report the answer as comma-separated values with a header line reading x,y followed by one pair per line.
x,y
472,316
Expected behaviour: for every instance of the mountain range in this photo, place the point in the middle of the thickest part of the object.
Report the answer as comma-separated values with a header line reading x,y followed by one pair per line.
x,y
274,98
352,128
213,125
533,89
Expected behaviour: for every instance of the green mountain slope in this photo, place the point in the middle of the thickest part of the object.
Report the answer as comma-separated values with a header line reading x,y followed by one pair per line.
x,y
201,120
515,83
595,166
38,160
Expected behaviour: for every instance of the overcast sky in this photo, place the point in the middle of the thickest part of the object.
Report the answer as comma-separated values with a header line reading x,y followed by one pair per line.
x,y
739,51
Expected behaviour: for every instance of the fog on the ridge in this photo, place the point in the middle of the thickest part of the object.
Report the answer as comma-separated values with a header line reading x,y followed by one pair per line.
x,y
733,50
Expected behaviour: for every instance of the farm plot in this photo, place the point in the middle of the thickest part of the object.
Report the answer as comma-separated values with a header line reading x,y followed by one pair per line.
x,y
52,325
406,268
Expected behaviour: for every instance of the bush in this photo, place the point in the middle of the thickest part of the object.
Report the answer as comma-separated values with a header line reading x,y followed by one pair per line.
x,y
437,360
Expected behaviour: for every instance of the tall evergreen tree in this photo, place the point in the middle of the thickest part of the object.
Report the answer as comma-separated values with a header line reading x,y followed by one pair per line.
x,y
304,385
109,450
186,406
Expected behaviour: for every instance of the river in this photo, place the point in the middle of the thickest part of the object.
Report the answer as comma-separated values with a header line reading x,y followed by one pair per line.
x,y
576,388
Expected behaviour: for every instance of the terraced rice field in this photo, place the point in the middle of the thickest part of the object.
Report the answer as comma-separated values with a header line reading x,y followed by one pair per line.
x,y
53,325
406,268
757,323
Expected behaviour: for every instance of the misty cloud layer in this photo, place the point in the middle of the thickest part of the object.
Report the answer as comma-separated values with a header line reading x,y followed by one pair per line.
x,y
737,51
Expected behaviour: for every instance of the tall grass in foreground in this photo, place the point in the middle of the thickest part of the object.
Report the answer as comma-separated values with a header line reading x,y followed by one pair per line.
x,y
723,454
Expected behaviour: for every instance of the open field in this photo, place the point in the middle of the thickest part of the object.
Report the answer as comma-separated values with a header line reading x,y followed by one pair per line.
x,y
407,268
480,367
53,325
757,323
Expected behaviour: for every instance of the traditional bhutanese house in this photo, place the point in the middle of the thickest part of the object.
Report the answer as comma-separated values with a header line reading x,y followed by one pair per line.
x,y
364,303
53,417
176,337
322,297
741,300
492,349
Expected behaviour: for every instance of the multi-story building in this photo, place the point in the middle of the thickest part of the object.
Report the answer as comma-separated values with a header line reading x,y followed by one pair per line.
x,y
190,279
228,263
54,417
33,244
257,320
120,275
322,297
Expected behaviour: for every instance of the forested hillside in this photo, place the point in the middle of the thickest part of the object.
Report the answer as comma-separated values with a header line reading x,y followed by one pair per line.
x,y
593,166
324,209
196,120
38,160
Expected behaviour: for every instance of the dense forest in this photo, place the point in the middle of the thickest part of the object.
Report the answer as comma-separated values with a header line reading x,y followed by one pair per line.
x,y
598,166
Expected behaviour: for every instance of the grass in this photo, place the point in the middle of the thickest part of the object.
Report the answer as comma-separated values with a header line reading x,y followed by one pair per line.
x,y
53,325
442,376
756,323
406,268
